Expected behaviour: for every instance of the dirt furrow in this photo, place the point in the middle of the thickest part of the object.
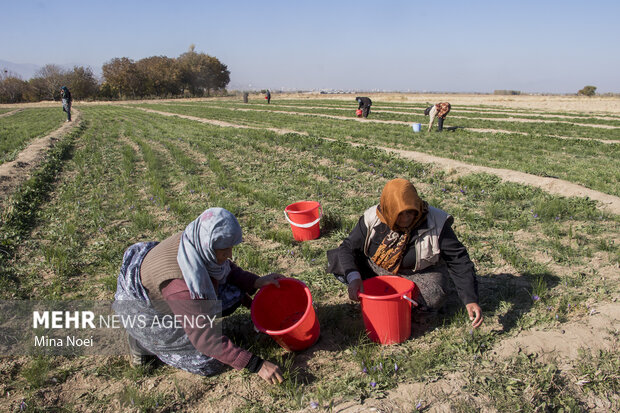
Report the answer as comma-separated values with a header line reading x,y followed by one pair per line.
x,y
13,112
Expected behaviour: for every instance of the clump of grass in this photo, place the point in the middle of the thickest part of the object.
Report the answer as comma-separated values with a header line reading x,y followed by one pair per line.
x,y
37,371
599,372
524,384
136,399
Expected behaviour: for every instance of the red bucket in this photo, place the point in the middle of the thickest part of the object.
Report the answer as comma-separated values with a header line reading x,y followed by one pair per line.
x,y
286,314
358,113
304,217
386,314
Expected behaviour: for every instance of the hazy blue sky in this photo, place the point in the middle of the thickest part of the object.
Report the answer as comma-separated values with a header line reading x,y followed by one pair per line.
x,y
451,45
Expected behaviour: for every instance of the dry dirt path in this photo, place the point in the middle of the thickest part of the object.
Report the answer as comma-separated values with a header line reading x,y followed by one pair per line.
x,y
13,173
400,122
552,185
13,112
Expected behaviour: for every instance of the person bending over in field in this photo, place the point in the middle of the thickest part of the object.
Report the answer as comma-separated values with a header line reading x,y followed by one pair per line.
x,y
440,110
364,104
189,270
405,236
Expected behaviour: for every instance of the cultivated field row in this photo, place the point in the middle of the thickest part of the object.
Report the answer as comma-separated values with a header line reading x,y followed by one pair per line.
x,y
542,156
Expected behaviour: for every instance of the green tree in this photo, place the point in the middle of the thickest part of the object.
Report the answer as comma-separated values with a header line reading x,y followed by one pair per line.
x,y
587,91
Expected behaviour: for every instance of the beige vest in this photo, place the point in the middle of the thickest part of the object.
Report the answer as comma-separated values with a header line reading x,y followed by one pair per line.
x,y
160,265
426,239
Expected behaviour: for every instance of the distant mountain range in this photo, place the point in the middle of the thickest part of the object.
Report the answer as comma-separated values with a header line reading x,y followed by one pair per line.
x,y
25,70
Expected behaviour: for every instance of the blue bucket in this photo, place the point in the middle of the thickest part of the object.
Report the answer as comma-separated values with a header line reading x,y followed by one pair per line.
x,y
416,127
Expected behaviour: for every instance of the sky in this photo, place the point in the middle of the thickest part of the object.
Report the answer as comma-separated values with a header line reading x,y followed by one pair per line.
x,y
544,46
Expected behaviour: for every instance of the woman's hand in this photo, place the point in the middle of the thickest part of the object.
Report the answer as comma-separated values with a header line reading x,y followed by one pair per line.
x,y
475,314
355,287
268,279
270,372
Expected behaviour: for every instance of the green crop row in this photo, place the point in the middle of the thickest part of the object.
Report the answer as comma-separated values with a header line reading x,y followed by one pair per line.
x,y
589,163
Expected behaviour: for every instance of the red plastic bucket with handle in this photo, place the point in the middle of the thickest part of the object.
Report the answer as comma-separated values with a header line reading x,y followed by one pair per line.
x,y
386,308
304,217
286,313
358,113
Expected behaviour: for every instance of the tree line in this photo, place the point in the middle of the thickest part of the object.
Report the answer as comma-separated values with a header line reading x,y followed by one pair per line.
x,y
192,74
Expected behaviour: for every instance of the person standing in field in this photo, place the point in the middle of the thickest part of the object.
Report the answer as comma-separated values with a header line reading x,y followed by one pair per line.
x,y
66,101
440,110
364,104
184,277
268,96
406,237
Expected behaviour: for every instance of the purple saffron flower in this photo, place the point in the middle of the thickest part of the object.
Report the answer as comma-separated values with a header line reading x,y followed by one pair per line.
x,y
373,384
22,406
380,366
364,370
535,215
314,405
395,367
535,298
418,406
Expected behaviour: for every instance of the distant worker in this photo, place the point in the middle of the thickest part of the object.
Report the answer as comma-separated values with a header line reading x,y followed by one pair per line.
x,y
66,101
268,96
364,104
245,97
440,111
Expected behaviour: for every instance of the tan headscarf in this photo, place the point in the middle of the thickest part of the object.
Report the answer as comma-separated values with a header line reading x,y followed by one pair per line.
x,y
398,195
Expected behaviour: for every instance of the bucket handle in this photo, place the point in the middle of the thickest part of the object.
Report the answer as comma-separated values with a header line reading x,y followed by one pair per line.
x,y
415,303
309,224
